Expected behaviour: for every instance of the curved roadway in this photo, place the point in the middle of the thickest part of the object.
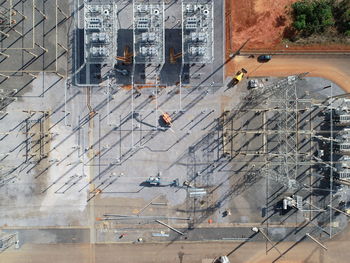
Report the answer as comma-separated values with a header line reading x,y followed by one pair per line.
x,y
333,67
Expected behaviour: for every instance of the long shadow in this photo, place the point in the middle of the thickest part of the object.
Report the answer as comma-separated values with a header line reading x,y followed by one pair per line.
x,y
219,68
50,87
210,209
289,249
241,245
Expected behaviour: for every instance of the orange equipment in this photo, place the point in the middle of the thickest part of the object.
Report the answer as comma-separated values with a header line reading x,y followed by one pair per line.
x,y
166,118
173,56
127,58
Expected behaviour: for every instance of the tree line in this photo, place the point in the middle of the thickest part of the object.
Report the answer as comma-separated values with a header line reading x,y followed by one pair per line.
x,y
318,16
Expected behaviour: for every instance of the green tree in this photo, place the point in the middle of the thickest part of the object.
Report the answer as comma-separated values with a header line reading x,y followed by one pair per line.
x,y
342,11
300,22
313,16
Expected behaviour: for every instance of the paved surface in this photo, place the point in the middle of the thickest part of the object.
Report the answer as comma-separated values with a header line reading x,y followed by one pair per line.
x,y
229,233
332,67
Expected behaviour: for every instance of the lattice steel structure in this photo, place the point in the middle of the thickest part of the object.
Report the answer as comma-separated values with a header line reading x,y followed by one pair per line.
x,y
325,160
286,162
281,99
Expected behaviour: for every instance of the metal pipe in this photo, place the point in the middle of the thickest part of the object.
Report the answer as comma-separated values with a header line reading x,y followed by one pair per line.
x,y
316,241
170,227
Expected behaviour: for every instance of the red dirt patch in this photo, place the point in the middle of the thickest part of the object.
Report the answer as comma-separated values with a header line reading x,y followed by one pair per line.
x,y
265,23
261,21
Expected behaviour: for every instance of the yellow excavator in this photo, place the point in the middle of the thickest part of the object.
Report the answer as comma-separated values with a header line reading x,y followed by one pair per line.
x,y
237,78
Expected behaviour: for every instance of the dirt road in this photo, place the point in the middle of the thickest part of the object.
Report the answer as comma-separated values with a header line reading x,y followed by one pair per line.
x,y
333,67
184,252
178,253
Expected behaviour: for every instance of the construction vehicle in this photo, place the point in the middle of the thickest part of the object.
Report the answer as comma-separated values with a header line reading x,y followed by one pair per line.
x,y
156,181
166,118
237,78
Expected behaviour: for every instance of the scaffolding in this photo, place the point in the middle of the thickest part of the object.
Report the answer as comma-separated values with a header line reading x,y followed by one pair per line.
x,y
148,30
100,29
197,31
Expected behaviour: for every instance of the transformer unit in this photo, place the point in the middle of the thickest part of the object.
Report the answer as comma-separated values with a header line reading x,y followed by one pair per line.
x,y
148,51
197,51
198,31
343,141
344,118
142,23
344,174
100,37
99,52
343,167
341,117
344,146
94,23
191,23
148,37
199,37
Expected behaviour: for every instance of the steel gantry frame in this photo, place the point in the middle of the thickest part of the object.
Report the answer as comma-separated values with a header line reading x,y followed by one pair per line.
x,y
286,102
285,111
280,98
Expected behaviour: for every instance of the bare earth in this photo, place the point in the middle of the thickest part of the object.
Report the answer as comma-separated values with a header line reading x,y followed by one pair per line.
x,y
265,23
183,252
179,253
